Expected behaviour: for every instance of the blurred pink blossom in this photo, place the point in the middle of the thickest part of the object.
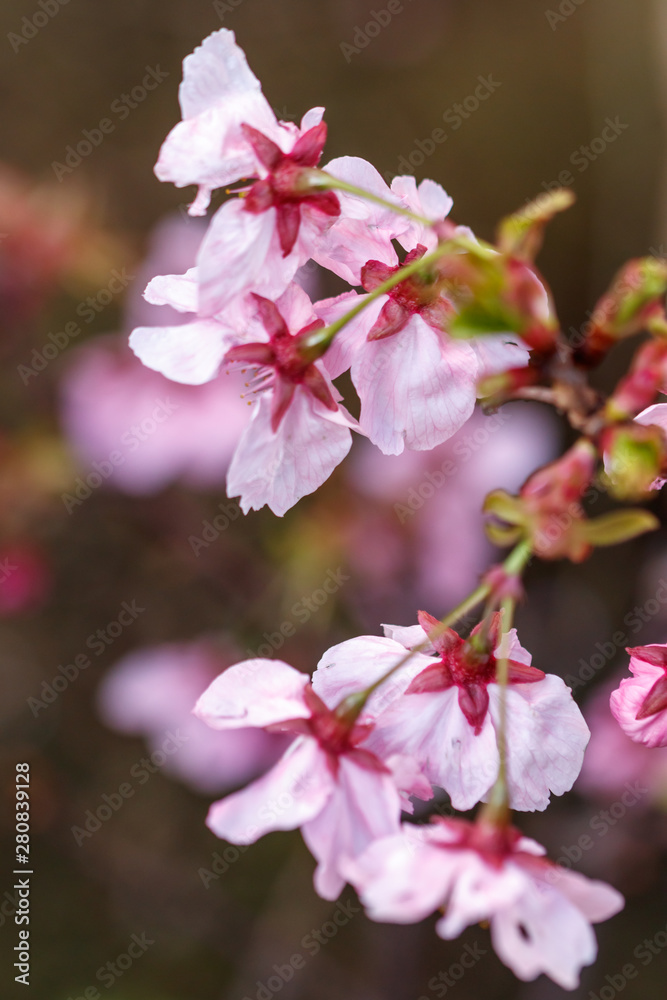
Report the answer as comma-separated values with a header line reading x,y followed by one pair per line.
x,y
540,914
154,690
109,399
437,496
25,579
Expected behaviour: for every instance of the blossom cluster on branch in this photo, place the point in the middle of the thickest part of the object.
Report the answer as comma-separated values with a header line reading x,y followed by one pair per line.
x,y
435,319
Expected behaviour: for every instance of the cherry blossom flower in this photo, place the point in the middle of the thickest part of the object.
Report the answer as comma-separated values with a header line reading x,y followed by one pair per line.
x,y
639,705
342,795
257,243
417,386
152,692
228,133
539,913
443,709
298,433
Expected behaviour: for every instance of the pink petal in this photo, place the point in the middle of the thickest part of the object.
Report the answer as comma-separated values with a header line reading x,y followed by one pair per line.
x,y
294,791
596,900
403,878
546,739
364,806
429,200
364,230
279,468
544,932
432,728
499,352
233,254
176,290
415,390
357,663
627,701
311,119
191,353
409,636
255,692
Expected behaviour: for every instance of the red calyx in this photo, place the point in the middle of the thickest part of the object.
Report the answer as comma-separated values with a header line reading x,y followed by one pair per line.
x,y
284,353
335,734
465,666
284,188
414,295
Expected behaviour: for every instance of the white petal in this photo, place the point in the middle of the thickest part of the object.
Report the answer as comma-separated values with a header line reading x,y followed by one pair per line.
x,y
279,468
191,353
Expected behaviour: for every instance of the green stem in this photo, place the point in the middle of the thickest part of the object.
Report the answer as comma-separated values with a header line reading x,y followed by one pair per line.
x,y
319,340
321,179
497,808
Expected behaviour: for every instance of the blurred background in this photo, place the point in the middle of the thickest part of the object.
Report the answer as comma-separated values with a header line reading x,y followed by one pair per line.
x,y
128,579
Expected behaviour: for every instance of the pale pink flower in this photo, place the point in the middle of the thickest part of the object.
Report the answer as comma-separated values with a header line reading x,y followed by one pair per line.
x,y
540,914
228,133
298,433
443,709
639,705
257,243
417,385
152,693
340,794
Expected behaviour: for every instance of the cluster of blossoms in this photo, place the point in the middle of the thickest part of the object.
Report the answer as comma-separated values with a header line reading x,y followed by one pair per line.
x,y
434,320
416,384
